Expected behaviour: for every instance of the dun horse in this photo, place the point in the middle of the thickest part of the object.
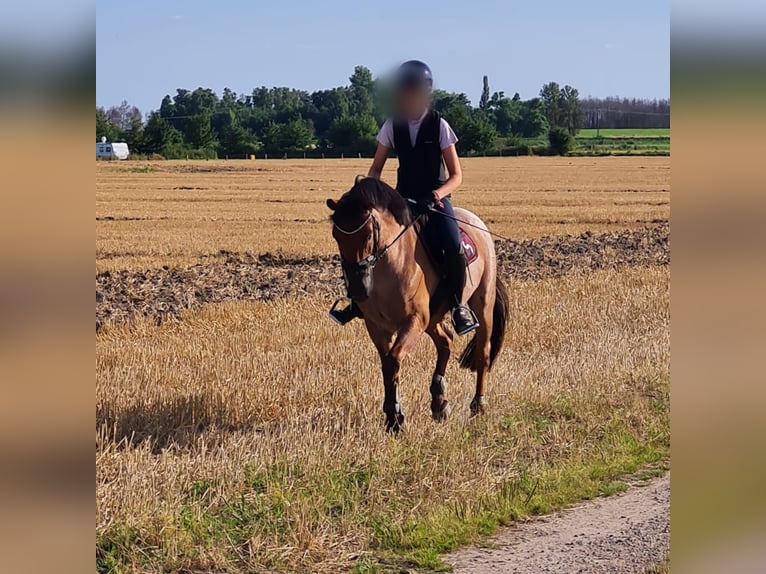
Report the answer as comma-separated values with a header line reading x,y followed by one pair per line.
x,y
395,282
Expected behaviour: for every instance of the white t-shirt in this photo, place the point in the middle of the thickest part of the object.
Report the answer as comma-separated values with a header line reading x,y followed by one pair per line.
x,y
447,136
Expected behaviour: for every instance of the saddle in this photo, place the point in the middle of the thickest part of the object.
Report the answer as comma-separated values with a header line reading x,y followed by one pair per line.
x,y
436,254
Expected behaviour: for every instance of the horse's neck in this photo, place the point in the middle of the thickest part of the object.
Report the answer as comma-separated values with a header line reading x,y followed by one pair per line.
x,y
402,258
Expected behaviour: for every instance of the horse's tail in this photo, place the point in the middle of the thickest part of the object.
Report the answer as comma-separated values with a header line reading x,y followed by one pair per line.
x,y
499,320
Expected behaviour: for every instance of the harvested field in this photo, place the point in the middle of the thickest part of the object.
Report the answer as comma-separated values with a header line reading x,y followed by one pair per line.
x,y
247,435
172,213
166,291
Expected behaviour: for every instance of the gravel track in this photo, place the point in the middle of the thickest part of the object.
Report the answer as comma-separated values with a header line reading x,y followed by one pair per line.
x,y
624,533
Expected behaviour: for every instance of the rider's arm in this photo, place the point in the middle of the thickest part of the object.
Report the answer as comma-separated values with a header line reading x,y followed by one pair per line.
x,y
455,172
381,154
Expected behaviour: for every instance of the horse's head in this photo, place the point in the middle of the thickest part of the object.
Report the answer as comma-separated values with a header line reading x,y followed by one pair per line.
x,y
356,232
357,219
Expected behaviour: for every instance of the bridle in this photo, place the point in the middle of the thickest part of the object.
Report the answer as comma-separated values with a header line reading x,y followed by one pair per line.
x,y
378,253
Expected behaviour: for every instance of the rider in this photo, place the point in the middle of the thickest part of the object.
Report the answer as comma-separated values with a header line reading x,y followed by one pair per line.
x,y
425,145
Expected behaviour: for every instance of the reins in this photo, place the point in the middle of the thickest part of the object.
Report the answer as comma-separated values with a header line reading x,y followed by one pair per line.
x,y
485,230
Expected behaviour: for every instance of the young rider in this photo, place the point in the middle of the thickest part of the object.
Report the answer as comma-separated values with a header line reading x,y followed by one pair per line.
x,y
425,145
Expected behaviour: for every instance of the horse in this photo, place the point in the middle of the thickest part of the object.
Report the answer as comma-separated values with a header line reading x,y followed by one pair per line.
x,y
392,276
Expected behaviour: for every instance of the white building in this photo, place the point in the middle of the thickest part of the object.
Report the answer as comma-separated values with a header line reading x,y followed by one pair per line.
x,y
111,150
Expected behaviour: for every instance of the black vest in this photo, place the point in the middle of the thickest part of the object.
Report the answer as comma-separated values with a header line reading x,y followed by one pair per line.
x,y
421,168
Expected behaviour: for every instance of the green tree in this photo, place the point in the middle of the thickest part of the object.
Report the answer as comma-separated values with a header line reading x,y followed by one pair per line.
x,y
484,101
361,91
234,139
532,121
504,112
297,135
199,133
271,138
478,135
560,141
456,109
160,137
550,95
353,133
572,109
134,136
104,127
329,105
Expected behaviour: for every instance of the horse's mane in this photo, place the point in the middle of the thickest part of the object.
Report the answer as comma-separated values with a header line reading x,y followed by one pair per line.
x,y
369,193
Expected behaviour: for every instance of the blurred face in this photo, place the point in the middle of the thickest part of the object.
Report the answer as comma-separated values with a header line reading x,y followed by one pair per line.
x,y
413,102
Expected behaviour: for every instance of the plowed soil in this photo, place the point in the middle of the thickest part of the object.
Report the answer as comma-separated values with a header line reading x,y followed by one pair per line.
x,y
164,292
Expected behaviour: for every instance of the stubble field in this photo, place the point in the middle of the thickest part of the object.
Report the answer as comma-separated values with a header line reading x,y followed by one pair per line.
x,y
238,429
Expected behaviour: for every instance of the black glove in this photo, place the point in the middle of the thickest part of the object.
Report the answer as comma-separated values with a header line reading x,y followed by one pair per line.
x,y
423,206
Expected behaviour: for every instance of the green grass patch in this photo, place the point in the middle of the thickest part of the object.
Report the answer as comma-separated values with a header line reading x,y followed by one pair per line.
x,y
625,133
220,525
616,142
139,169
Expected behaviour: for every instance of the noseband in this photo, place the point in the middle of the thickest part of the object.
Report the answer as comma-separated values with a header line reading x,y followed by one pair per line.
x,y
377,254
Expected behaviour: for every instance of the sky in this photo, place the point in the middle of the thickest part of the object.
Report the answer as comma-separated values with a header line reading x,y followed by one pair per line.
x,y
147,49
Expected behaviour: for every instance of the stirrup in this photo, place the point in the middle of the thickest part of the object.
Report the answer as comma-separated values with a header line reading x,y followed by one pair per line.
x,y
475,321
334,310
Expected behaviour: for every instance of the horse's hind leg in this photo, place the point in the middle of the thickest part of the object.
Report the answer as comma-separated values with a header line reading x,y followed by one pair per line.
x,y
481,354
442,338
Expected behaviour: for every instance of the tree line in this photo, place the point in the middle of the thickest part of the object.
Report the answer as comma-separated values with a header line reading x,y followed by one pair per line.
x,y
345,119
619,113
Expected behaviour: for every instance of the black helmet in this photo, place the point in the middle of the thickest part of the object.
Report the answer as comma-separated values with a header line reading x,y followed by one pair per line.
x,y
414,74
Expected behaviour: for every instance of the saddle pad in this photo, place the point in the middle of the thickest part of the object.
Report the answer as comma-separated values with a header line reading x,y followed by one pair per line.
x,y
469,247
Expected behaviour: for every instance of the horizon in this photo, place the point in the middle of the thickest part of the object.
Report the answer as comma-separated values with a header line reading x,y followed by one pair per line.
x,y
627,58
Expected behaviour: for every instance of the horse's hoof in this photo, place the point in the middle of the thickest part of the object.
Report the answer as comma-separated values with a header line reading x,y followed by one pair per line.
x,y
394,424
477,409
441,413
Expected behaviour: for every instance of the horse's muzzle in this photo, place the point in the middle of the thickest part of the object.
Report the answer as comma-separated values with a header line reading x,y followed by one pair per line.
x,y
358,280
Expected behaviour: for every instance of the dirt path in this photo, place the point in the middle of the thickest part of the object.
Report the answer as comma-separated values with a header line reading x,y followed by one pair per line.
x,y
628,532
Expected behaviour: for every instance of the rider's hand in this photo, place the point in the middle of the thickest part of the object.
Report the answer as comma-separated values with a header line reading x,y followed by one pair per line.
x,y
423,206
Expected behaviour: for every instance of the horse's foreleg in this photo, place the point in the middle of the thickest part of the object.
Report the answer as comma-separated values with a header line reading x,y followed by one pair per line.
x,y
442,338
392,362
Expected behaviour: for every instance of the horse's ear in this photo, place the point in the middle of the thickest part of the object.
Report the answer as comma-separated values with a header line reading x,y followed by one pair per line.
x,y
332,204
358,178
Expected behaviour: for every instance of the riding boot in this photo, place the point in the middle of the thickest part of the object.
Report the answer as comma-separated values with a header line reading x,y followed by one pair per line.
x,y
463,319
343,316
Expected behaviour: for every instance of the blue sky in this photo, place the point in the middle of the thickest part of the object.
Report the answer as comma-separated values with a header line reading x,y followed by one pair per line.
x,y
604,48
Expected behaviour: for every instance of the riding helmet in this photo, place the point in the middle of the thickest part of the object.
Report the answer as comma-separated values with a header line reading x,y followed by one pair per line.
x,y
414,74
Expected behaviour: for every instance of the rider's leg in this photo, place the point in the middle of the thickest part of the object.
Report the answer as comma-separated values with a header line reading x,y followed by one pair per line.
x,y
445,228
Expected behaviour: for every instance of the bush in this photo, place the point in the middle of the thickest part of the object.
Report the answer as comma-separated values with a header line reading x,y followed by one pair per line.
x,y
560,141
519,149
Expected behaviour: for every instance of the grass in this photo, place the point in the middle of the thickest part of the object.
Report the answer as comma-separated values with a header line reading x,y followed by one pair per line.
x,y
248,436
661,568
625,133
623,142
176,212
